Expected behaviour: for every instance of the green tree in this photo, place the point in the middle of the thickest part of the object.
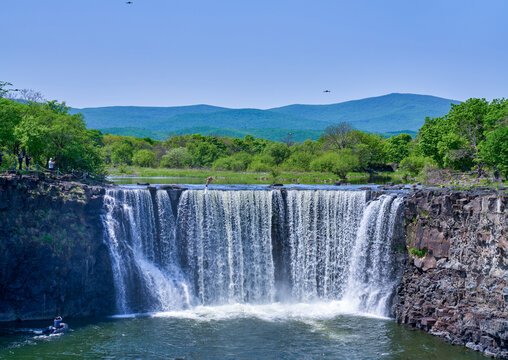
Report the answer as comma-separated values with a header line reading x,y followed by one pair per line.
x,y
144,158
278,151
414,164
205,153
177,158
11,114
397,147
494,150
33,135
338,137
455,139
337,163
121,153
298,161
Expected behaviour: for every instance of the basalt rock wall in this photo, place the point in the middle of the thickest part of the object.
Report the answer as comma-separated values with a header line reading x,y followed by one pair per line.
x,y
458,290
52,256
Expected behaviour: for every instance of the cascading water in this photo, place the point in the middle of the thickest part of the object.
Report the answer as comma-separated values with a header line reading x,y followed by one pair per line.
x,y
226,239
322,231
146,275
252,246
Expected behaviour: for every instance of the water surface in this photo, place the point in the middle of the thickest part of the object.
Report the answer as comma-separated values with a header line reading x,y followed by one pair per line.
x,y
274,331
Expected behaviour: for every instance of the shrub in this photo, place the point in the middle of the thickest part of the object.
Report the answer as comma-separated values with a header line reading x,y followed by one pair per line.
x,y
338,163
419,253
144,158
176,158
414,164
261,163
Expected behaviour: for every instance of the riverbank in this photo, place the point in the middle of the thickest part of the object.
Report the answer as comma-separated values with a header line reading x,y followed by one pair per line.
x,y
195,176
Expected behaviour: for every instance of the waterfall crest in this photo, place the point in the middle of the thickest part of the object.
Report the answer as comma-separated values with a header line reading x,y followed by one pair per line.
x,y
251,246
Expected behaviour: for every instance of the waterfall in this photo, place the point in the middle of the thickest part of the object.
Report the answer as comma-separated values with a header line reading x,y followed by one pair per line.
x,y
322,231
226,237
146,276
372,271
215,247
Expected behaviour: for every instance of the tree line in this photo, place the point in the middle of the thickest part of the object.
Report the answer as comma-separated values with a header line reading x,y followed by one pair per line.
x,y
473,136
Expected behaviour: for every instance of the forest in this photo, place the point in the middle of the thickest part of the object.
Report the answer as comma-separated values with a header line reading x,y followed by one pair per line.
x,y
472,137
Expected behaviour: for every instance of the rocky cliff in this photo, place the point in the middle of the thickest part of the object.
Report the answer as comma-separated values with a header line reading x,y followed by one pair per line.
x,y
52,256
458,289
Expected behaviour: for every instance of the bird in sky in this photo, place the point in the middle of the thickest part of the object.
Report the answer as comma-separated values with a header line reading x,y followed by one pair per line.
x,y
128,2
326,91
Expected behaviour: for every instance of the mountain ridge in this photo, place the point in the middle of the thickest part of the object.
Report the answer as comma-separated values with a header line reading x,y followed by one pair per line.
x,y
382,114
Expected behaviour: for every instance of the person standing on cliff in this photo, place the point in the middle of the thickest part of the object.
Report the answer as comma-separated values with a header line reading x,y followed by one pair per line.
x,y
20,161
51,164
27,161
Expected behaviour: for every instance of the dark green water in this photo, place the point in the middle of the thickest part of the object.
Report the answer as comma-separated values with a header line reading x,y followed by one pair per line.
x,y
221,333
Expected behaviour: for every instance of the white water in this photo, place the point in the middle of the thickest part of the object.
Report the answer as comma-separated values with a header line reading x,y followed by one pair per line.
x,y
226,236
252,251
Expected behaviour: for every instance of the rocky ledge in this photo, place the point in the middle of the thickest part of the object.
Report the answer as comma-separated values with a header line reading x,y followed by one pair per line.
x,y
455,286
52,256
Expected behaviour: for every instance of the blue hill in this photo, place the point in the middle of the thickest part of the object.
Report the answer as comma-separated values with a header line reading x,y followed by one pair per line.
x,y
390,113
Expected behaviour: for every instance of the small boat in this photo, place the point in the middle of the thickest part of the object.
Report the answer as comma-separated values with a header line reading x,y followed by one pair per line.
x,y
50,330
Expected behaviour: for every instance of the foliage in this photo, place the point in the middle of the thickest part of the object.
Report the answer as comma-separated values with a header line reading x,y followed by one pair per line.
x,y
144,158
338,137
397,147
494,150
456,139
472,136
419,253
414,164
44,130
278,151
177,158
337,163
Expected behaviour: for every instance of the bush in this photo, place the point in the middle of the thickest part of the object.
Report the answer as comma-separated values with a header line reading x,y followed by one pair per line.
x,y
236,162
261,163
278,151
338,163
419,253
414,164
144,158
298,161
176,158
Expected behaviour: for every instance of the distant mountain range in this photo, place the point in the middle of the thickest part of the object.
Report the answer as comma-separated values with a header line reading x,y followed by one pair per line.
x,y
387,114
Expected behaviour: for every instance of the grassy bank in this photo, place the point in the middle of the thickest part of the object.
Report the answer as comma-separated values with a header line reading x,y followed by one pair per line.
x,y
232,177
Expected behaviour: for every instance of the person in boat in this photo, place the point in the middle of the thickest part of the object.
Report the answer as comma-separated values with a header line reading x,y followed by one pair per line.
x,y
208,181
57,323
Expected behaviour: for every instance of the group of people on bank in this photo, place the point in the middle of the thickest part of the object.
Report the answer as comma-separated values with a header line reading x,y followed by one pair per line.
x,y
27,158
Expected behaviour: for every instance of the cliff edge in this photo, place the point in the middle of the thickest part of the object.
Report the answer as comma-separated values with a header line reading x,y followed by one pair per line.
x,y
458,289
52,256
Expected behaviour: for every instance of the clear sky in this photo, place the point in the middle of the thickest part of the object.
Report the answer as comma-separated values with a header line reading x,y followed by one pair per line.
x,y
253,53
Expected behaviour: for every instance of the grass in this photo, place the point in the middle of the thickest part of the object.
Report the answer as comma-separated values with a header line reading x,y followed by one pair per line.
x,y
418,253
232,177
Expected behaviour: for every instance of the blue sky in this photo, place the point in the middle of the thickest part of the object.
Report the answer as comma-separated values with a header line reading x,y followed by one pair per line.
x,y
258,53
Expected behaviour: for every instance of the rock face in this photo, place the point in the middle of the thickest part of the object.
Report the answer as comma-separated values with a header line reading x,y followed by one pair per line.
x,y
458,290
52,257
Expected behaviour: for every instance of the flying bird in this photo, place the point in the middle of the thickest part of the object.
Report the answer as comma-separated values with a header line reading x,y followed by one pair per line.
x,y
128,2
326,91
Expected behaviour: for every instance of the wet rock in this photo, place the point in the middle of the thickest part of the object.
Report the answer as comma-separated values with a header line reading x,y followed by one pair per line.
x,y
462,281
52,255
